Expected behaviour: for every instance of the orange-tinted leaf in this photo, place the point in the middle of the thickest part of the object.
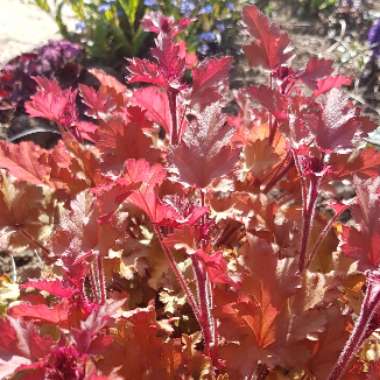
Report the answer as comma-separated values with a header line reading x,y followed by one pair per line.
x,y
26,161
205,152
362,243
121,138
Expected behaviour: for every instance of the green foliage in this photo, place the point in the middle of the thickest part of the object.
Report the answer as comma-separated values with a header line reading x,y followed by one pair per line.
x,y
108,29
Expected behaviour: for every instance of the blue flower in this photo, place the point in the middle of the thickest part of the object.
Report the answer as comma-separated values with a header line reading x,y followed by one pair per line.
x,y
230,6
203,49
150,3
374,37
186,7
207,9
220,26
80,26
102,8
208,37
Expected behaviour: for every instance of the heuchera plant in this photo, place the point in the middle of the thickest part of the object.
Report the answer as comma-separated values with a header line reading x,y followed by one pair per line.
x,y
183,242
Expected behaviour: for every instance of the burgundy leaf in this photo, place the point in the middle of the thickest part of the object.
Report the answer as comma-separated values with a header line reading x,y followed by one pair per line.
x,y
206,77
316,68
270,47
272,100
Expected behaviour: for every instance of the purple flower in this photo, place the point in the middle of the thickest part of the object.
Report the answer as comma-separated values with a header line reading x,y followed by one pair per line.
x,y
150,3
186,7
203,49
220,26
208,37
374,37
207,9
102,8
80,26
230,6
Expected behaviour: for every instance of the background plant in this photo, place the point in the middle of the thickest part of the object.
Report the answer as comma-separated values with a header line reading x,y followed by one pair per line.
x,y
108,29
217,22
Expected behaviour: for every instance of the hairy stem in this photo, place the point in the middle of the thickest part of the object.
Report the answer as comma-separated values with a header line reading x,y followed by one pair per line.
x,y
179,276
206,298
172,96
94,282
323,234
102,280
34,241
279,173
272,125
201,281
308,218
368,309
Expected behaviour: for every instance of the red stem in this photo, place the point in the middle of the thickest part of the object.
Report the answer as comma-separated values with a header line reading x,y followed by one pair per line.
x,y
272,126
368,309
102,280
281,171
94,283
206,299
201,281
323,234
179,276
308,219
172,97
34,241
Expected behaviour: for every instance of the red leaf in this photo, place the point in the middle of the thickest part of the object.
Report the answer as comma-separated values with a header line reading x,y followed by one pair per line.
x,y
364,163
56,314
272,100
363,243
95,322
155,102
159,23
205,152
98,104
55,287
26,161
206,77
336,122
123,137
145,71
108,81
146,197
216,267
20,344
52,103
315,69
168,69
170,59
270,45
325,85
